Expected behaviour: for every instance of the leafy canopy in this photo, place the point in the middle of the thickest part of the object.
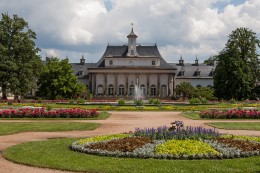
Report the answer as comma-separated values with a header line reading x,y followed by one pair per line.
x,y
57,80
20,63
237,71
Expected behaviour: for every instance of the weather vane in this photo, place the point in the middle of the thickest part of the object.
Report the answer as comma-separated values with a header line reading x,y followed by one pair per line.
x,y
132,25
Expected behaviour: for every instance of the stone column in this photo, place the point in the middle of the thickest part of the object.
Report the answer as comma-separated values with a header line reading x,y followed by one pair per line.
x,y
158,84
126,85
94,83
90,84
174,87
169,86
172,84
105,85
148,83
116,84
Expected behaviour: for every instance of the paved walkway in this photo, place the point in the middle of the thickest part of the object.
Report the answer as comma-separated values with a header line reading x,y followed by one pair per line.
x,y
118,122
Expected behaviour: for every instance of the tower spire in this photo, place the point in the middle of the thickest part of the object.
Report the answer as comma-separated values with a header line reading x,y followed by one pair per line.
x,y
132,43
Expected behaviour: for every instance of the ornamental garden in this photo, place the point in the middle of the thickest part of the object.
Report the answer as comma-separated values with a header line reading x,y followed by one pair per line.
x,y
170,143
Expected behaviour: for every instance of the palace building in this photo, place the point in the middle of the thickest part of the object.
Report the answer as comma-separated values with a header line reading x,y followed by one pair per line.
x,y
121,69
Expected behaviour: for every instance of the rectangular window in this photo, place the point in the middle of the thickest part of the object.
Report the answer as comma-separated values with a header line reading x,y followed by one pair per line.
x,y
153,62
153,91
110,91
132,52
110,62
131,91
121,91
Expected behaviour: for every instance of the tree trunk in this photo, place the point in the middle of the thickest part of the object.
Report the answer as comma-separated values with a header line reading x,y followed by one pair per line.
x,y
4,94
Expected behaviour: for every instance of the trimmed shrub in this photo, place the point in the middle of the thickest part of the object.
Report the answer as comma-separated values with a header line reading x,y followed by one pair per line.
x,y
80,101
194,100
204,100
150,101
121,102
139,102
156,101
71,101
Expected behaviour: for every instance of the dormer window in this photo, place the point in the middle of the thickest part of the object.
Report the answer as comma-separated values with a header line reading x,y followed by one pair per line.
x,y
80,73
181,73
110,62
197,73
153,62
211,73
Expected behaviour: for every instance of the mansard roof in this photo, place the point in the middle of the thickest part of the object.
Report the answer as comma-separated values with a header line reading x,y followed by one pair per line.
x,y
189,70
143,52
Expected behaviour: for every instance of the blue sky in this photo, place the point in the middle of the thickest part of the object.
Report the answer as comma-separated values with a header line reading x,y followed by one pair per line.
x,y
68,28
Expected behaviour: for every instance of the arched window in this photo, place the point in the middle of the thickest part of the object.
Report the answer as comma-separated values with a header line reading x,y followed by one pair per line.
x,y
198,86
100,90
163,91
132,90
142,90
110,90
121,90
153,90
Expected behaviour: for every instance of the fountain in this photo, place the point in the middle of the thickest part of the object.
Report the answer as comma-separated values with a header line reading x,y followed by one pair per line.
x,y
138,94
138,99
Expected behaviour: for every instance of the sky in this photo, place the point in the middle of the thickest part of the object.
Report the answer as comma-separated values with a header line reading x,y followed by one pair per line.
x,y
190,28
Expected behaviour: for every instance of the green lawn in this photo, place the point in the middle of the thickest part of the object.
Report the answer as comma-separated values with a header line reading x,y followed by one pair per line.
x,y
236,125
55,153
191,115
17,127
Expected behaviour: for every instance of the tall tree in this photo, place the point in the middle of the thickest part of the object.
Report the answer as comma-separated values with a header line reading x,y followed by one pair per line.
x,y
20,63
237,71
58,80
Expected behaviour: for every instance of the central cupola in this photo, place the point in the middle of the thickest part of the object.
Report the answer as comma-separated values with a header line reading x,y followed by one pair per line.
x,y
132,44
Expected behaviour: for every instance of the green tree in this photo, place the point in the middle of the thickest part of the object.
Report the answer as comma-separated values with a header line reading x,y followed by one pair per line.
x,y
210,60
237,71
20,63
58,80
184,89
204,92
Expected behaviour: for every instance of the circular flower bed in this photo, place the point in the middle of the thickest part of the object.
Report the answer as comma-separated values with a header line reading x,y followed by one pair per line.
x,y
162,143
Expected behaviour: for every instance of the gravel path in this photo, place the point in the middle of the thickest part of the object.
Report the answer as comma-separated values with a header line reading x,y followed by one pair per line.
x,y
118,122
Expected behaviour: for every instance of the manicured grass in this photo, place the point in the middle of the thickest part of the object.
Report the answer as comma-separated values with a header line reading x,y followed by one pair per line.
x,y
236,125
191,115
55,153
16,127
101,116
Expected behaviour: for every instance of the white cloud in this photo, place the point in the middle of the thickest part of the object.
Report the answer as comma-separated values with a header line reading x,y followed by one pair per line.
x,y
188,27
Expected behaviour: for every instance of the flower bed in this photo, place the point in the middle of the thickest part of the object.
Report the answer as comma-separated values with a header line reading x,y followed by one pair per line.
x,y
185,147
228,114
176,142
164,133
127,145
43,113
